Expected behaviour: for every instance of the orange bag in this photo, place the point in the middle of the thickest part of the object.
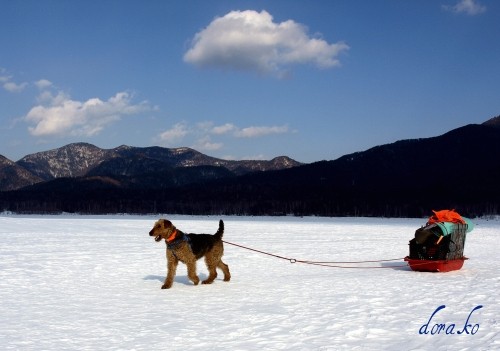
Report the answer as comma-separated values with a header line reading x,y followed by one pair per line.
x,y
446,216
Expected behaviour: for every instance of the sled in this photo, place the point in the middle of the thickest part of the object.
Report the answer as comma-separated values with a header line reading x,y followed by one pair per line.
x,y
435,265
439,245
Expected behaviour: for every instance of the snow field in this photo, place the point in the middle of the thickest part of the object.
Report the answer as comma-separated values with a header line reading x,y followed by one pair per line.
x,y
93,283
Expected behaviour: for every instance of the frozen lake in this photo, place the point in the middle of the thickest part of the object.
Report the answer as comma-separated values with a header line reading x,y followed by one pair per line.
x,y
93,283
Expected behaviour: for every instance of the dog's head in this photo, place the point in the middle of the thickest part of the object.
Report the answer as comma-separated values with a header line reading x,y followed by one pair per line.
x,y
163,229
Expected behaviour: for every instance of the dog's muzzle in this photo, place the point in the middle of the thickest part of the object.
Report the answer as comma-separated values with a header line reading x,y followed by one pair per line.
x,y
157,238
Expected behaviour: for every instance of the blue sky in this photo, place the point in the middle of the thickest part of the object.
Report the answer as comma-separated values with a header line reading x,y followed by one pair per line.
x,y
312,80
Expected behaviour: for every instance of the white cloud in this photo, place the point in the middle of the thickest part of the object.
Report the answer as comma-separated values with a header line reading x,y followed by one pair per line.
x,y
250,40
254,157
59,115
43,84
248,132
14,88
469,7
205,144
8,84
255,132
223,129
3,77
201,134
174,135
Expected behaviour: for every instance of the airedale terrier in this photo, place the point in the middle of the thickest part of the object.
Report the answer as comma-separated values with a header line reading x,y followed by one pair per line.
x,y
188,248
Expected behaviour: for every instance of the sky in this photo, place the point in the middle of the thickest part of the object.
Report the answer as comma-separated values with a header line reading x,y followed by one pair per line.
x,y
312,80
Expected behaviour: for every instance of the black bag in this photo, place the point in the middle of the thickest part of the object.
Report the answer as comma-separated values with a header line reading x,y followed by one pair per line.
x,y
430,243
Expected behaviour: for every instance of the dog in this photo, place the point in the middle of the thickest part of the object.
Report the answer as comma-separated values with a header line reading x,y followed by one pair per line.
x,y
188,248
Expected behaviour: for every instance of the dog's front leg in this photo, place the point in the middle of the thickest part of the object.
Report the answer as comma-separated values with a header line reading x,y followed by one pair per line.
x,y
191,268
172,263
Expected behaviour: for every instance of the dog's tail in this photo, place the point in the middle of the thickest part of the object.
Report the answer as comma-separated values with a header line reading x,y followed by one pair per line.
x,y
220,231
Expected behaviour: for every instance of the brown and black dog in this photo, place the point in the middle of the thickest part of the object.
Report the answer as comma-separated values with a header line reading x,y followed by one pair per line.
x,y
188,248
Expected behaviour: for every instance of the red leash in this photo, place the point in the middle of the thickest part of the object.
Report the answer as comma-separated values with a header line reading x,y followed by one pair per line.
x,y
333,264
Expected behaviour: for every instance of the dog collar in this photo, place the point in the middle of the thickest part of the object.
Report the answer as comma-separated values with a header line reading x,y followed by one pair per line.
x,y
173,244
172,236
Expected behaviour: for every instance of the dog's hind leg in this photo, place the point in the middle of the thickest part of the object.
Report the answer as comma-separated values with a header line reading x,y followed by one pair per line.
x,y
225,269
212,273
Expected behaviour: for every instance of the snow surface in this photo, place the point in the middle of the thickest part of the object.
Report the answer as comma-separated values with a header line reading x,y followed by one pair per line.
x,y
93,283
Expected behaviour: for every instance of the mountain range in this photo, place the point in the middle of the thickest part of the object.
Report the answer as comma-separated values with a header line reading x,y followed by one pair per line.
x,y
126,162
459,169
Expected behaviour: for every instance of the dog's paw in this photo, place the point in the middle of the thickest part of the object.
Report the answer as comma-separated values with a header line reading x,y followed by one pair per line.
x,y
166,286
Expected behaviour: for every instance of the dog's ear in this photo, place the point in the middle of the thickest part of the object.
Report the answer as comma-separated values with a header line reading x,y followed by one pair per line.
x,y
167,224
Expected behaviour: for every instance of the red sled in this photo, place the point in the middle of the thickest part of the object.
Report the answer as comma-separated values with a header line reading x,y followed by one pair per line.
x,y
435,265
438,247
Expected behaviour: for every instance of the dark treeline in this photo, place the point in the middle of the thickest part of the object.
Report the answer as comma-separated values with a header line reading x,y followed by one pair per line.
x,y
243,198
